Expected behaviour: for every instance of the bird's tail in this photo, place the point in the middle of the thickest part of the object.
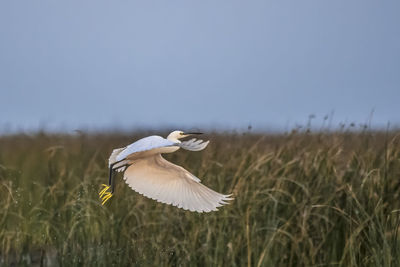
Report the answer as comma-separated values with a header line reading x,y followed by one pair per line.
x,y
114,154
113,159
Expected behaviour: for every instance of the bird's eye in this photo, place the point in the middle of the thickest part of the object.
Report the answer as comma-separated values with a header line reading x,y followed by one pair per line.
x,y
181,133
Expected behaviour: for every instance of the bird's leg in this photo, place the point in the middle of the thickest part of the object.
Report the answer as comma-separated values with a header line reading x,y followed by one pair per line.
x,y
112,181
110,174
112,177
104,194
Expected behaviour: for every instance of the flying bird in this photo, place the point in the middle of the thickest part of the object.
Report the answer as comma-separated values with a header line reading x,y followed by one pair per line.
x,y
149,174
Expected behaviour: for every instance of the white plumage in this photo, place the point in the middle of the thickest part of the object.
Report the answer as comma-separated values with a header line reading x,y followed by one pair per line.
x,y
149,174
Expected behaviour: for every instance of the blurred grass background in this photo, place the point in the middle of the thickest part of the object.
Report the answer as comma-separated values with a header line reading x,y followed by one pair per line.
x,y
301,199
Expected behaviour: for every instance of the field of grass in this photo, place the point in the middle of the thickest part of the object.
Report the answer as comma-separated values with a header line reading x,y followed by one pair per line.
x,y
301,199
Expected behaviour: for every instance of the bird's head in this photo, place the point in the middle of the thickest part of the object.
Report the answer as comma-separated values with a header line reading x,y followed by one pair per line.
x,y
176,135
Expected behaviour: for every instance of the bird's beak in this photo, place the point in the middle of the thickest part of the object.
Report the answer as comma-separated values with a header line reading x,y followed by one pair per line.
x,y
192,133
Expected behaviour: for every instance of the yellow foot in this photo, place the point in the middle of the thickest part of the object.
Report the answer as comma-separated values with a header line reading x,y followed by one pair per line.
x,y
104,195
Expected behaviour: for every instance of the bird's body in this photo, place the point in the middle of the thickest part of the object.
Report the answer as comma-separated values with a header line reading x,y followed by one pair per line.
x,y
149,174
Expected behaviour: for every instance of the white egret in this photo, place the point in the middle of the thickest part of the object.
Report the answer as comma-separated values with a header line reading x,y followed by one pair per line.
x,y
149,174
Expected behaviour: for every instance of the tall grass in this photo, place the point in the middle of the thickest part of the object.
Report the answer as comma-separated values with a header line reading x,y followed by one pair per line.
x,y
301,199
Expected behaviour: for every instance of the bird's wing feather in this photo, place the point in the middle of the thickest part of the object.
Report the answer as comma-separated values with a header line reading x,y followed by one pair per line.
x,y
194,144
144,144
161,180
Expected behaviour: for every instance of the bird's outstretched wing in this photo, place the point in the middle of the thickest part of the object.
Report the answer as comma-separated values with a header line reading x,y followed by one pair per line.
x,y
139,147
194,144
161,180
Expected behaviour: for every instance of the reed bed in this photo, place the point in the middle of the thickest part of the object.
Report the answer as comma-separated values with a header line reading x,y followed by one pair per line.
x,y
301,199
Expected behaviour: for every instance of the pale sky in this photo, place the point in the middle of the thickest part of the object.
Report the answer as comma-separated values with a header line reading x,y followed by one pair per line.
x,y
222,64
